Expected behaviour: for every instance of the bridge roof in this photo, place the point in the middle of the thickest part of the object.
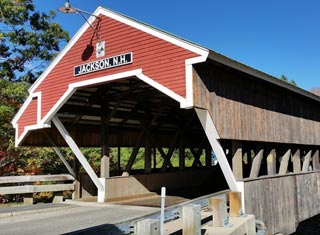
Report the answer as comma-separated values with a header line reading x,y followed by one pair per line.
x,y
144,71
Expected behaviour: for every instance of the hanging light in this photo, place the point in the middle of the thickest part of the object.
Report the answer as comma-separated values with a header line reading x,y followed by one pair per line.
x,y
68,9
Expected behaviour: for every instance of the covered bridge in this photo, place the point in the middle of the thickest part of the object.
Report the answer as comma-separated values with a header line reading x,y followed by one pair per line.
x,y
128,84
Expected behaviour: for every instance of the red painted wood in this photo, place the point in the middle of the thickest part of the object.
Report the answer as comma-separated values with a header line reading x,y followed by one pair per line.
x,y
160,60
29,116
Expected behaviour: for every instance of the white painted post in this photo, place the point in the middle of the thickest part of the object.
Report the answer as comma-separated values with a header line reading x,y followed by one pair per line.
x,y
191,220
77,152
102,194
212,135
163,200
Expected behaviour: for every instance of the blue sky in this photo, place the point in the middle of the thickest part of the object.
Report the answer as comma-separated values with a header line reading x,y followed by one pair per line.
x,y
276,37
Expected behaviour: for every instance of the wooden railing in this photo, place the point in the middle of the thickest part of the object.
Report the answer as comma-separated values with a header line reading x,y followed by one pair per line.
x,y
26,185
283,201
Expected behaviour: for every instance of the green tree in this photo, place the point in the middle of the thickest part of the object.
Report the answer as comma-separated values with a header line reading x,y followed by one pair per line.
x,y
28,40
20,160
285,79
12,95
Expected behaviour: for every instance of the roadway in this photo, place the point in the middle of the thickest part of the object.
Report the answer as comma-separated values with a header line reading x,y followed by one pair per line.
x,y
75,218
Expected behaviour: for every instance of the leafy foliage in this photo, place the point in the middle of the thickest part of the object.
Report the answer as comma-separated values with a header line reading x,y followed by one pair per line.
x,y
28,40
315,90
12,94
285,79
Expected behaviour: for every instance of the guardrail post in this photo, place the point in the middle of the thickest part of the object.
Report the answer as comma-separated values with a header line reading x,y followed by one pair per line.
x,y
28,198
219,211
57,197
235,204
191,220
147,227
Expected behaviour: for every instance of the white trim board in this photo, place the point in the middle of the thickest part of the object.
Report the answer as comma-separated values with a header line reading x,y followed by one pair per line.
x,y
213,136
45,122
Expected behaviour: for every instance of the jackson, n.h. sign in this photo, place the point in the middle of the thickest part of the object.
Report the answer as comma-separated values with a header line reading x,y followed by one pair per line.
x,y
103,64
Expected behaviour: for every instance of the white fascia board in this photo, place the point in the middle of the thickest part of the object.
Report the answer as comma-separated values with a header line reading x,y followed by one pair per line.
x,y
189,79
25,132
25,105
47,119
153,31
73,86
38,96
162,88
64,51
133,73
21,111
108,78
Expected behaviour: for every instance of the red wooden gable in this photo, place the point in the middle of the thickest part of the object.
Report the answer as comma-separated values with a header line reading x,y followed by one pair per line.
x,y
160,58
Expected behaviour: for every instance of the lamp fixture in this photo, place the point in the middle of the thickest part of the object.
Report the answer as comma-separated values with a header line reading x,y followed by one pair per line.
x,y
68,9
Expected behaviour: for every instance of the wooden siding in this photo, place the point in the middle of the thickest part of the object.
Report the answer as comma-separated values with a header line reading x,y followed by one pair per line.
x,y
30,116
246,108
289,200
160,60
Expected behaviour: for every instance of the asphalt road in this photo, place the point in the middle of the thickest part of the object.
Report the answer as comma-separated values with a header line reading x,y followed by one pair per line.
x,y
73,219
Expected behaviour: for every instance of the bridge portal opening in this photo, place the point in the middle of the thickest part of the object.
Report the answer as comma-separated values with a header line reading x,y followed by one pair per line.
x,y
144,133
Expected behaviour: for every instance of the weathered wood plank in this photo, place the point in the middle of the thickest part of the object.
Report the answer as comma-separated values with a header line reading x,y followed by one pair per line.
x,y
237,167
247,109
34,178
272,200
147,227
35,188
296,162
306,162
308,194
284,163
235,204
219,211
271,162
315,160
256,164
191,220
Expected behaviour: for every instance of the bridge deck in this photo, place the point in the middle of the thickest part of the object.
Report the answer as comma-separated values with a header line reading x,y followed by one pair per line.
x,y
66,219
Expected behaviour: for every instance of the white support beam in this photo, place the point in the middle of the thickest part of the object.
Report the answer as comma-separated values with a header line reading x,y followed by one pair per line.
x,y
213,136
58,152
62,158
77,152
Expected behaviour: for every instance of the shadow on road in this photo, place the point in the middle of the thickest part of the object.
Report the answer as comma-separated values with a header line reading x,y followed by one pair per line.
x,y
99,230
